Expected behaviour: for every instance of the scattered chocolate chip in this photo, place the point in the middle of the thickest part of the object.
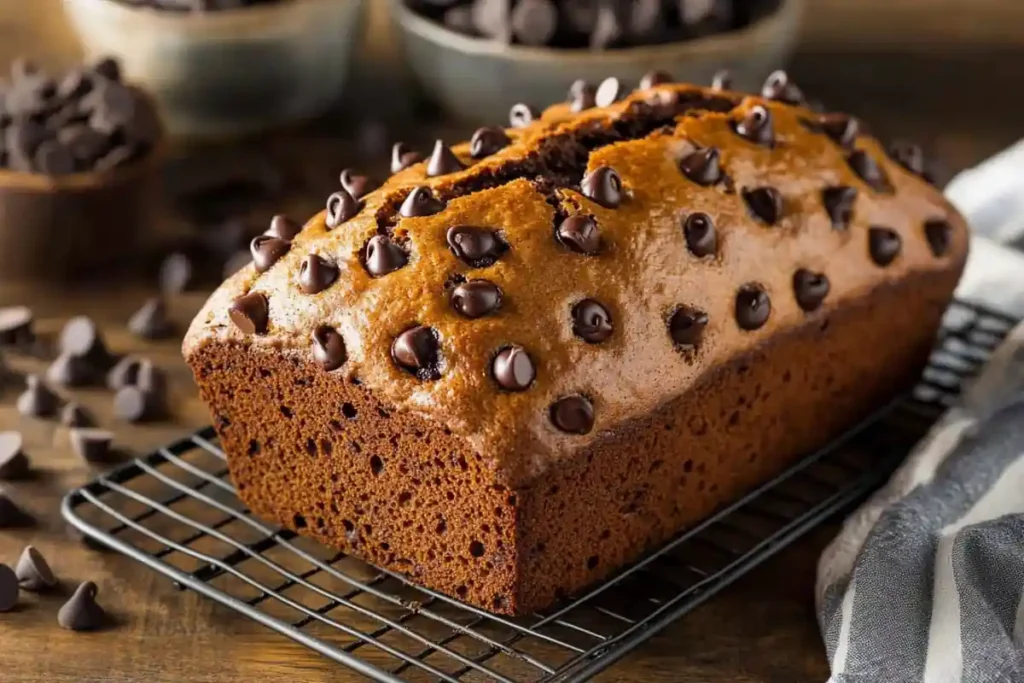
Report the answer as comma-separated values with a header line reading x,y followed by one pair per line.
x,y
476,247
702,166
420,202
70,371
250,313
13,461
869,171
488,141
522,115
175,274
356,185
316,274
764,203
37,400
752,307
80,337
609,91
580,234
838,202
382,256
33,571
403,156
266,251
74,415
329,348
81,612
8,588
701,237
756,126
283,228
810,288
843,129
533,22
591,321
417,351
722,80
11,514
512,369
476,298
654,78
686,326
939,234
130,405
341,206
125,373
93,445
909,156
16,326
443,161
778,86
883,244
151,321
604,186
581,95
573,415
608,27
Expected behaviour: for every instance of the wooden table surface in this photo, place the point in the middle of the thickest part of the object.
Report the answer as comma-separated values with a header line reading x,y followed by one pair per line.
x,y
943,71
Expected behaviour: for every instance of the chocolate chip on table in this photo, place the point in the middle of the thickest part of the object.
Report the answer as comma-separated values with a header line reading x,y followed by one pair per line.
x,y
151,321
603,185
266,251
329,348
11,514
70,371
8,588
686,326
81,612
382,256
700,234
843,129
16,326
476,247
37,400
591,321
250,313
654,78
417,350
488,141
80,337
722,80
609,91
316,274
403,156
756,126
513,369
581,96
175,274
92,445
778,86
283,228
341,206
131,404
884,245
864,165
125,373
33,571
838,202
810,288
14,463
533,22
702,166
764,203
522,115
573,415
442,161
476,298
752,307
74,415
355,184
579,234
939,234
420,202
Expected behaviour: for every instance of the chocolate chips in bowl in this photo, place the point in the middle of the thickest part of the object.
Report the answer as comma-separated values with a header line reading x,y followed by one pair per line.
x,y
77,170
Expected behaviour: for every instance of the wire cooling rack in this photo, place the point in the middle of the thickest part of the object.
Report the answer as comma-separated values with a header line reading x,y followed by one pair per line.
x,y
176,511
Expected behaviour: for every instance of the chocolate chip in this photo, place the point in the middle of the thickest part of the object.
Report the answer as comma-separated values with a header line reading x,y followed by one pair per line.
x,y
476,298
382,256
125,373
939,234
764,203
581,95
686,326
329,348
93,445
420,202
81,338
316,274
580,234
491,18
11,514
838,202
109,68
8,588
909,156
70,371
841,128
13,461
609,91
522,115
443,161
488,141
53,158
869,171
403,156
356,185
476,247
591,321
283,228
722,80
645,19
512,369
756,126
604,186
341,206
573,415
37,400
884,245
752,307
701,237
266,251
417,351
151,321
533,22
250,313
654,78
131,404
608,27
810,288
74,415
702,166
16,326
175,274
778,86
81,612
33,571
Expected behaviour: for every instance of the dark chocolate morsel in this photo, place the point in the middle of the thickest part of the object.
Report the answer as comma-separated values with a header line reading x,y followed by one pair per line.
x,y
81,612
604,186
33,571
838,202
686,326
283,228
591,321
54,158
533,22
778,86
403,156
581,95
909,156
109,68
14,463
92,445
756,126
12,516
250,313
654,78
70,371
869,171
8,589
355,184
580,234
316,274
843,129
81,337
884,245
764,203
491,18
16,325
267,250
573,415
74,415
382,256
124,373
420,202
722,80
37,400
131,404
329,348
609,91
702,166
512,369
476,247
521,115
488,141
417,350
939,234
341,206
476,298
151,321
442,161
810,288
700,234
609,29
752,307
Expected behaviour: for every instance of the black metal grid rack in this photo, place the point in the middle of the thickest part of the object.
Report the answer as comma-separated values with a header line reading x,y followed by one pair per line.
x,y
176,511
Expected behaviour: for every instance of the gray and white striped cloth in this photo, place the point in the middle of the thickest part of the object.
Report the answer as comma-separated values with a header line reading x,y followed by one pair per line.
x,y
925,582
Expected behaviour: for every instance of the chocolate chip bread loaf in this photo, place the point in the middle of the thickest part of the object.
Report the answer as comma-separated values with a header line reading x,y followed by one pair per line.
x,y
527,359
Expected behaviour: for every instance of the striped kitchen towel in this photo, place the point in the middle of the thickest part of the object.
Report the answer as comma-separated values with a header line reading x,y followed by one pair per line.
x,y
925,582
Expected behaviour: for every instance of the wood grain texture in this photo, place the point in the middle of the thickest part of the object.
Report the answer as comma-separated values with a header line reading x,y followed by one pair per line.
x,y
923,68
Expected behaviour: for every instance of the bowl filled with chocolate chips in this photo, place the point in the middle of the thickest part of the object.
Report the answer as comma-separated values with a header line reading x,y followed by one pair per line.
x,y
469,55
79,159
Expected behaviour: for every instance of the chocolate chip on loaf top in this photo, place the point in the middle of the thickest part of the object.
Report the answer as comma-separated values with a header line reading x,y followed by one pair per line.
x,y
545,282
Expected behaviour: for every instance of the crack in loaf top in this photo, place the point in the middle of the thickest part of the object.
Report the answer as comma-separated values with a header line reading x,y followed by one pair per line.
x,y
542,284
